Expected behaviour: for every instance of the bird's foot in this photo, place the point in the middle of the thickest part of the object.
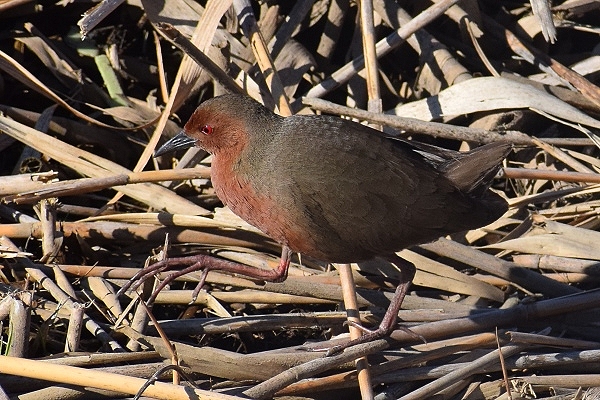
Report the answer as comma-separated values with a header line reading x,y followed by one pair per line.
x,y
368,336
380,332
388,323
364,330
204,263
363,339
200,262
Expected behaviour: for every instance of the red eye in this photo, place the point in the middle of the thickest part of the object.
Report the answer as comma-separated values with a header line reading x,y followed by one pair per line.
x,y
207,130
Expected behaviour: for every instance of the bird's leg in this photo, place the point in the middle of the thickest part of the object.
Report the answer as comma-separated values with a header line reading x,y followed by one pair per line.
x,y
388,323
206,263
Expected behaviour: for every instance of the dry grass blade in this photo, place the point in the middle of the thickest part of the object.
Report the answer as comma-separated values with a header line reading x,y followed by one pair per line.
x,y
80,186
472,368
186,74
99,379
411,126
12,67
589,90
344,74
553,238
488,93
95,166
80,122
263,58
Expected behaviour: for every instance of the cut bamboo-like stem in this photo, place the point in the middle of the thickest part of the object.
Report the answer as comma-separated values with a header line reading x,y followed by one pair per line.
x,y
101,380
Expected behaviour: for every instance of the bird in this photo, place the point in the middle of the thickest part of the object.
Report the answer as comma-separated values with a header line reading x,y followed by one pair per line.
x,y
337,190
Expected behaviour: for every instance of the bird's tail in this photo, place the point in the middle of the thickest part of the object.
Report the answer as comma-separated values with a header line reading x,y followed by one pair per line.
x,y
472,172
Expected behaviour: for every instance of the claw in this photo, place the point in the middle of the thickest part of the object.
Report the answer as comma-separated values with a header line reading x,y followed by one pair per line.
x,y
205,263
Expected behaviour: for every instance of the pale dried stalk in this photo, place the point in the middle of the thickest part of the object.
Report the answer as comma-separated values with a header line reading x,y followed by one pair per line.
x,y
383,47
92,165
99,379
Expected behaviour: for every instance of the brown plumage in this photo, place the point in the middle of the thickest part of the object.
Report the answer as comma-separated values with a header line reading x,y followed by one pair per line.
x,y
337,190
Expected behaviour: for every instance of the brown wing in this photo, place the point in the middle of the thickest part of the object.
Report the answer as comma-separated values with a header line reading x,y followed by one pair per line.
x,y
356,194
